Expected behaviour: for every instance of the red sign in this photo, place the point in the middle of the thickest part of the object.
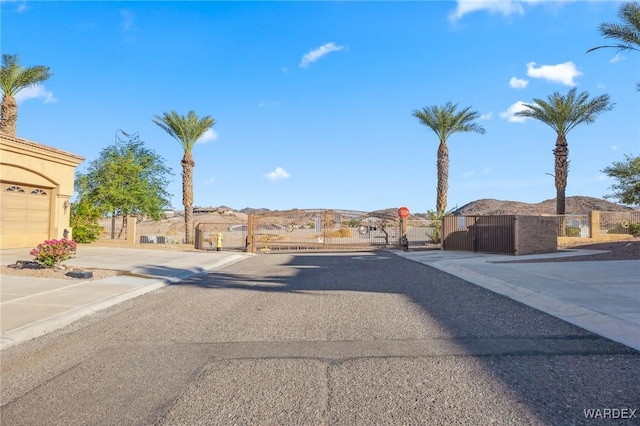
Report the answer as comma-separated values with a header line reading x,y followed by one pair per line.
x,y
403,212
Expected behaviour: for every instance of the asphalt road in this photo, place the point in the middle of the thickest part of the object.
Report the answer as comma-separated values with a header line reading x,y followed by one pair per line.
x,y
321,339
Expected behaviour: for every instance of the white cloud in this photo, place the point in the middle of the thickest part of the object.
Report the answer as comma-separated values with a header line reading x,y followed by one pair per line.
x,y
560,73
36,91
617,58
472,173
486,116
128,18
209,135
614,148
277,174
509,114
318,53
505,7
518,83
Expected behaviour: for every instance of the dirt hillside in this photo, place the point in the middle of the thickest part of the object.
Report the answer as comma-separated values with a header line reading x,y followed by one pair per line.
x,y
574,205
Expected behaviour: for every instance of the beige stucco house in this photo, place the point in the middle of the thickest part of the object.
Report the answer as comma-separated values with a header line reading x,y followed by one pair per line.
x,y
36,184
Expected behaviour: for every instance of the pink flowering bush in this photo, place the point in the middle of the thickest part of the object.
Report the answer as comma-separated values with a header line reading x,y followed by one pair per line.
x,y
53,252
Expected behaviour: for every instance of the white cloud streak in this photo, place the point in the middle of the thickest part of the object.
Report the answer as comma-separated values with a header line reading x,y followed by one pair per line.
x,y
506,8
208,136
318,53
509,114
37,91
617,58
561,73
278,174
518,83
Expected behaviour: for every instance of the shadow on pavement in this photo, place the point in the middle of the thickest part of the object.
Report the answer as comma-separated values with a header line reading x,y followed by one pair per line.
x,y
554,368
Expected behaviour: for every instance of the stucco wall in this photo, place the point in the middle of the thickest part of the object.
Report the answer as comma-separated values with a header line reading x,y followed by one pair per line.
x,y
29,163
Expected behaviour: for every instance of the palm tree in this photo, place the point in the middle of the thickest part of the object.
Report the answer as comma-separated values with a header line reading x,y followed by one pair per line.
x,y
627,33
445,121
186,130
14,78
562,114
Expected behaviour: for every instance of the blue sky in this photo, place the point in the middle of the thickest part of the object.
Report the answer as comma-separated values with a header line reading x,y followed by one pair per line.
x,y
313,101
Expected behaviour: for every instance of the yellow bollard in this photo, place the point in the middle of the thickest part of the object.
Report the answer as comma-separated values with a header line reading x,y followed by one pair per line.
x,y
219,242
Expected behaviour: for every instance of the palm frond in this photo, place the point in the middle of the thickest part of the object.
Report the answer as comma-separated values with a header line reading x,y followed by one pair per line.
x,y
14,78
186,129
626,33
564,112
446,120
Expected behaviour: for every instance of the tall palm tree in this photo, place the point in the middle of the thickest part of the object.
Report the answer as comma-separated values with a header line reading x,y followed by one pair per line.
x,y
444,121
562,114
14,78
186,129
627,33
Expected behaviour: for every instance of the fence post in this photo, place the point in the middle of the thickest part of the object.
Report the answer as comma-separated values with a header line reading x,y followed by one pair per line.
x,y
594,224
249,243
131,229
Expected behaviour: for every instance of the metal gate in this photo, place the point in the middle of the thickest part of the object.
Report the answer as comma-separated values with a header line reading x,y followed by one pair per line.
x,y
488,234
328,230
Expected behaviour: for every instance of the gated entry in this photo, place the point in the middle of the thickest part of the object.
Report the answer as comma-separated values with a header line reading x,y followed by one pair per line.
x,y
321,230
489,234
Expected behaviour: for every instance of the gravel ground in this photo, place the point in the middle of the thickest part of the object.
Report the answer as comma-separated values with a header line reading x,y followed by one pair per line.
x,y
35,271
618,250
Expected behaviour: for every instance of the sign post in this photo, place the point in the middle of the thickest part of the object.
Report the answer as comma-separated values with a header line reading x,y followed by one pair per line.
x,y
403,213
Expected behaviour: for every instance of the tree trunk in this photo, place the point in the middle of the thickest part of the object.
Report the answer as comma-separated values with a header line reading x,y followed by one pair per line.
x,y
561,153
187,195
8,115
443,178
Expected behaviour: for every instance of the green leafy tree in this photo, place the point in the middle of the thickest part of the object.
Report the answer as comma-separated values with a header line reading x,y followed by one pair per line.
x,y
14,78
627,33
562,114
84,222
126,179
445,121
627,173
186,130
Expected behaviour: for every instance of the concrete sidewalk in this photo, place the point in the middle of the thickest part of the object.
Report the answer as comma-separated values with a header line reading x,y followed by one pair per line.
x,y
602,297
32,307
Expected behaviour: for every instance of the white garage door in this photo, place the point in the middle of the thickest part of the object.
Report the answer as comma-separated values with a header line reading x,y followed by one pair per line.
x,y
25,213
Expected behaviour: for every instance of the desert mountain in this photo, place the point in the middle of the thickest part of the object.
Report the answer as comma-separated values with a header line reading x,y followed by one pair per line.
x,y
573,205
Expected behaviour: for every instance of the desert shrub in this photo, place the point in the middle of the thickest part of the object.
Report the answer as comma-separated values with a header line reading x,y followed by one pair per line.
x,y
341,233
84,222
572,231
633,229
270,237
53,252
